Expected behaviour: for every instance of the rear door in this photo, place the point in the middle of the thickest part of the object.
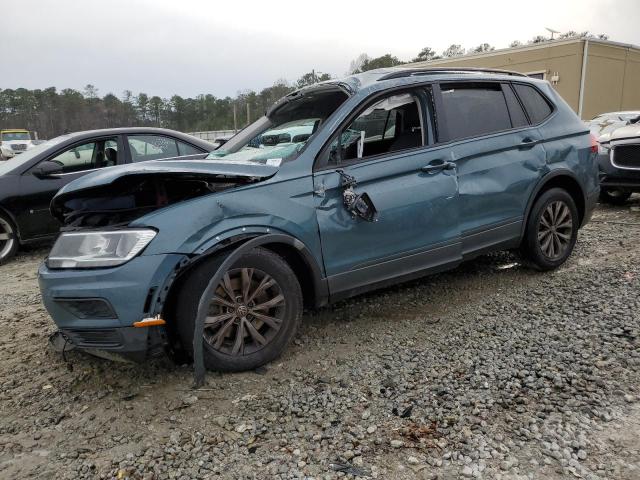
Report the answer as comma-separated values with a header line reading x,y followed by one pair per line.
x,y
77,160
499,158
387,148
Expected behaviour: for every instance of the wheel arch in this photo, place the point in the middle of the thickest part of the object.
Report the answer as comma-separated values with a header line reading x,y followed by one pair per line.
x,y
314,287
564,179
234,248
8,215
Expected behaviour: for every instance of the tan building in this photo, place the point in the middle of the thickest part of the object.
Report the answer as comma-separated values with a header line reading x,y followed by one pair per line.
x,y
593,76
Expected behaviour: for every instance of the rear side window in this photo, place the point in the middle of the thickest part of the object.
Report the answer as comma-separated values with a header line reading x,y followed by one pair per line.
x,y
187,149
474,109
518,118
151,147
536,105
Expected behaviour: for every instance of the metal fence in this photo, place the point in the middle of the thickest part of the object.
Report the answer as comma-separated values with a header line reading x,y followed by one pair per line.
x,y
213,135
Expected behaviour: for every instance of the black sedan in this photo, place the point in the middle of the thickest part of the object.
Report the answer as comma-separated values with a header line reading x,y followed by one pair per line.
x,y
29,181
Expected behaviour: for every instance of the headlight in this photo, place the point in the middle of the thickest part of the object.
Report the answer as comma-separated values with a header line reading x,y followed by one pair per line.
x,y
98,248
603,149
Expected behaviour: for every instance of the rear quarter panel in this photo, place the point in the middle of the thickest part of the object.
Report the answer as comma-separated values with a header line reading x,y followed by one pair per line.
x,y
568,144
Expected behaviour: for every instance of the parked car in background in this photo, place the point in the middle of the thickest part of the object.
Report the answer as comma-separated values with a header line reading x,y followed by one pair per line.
x,y
29,181
219,256
218,142
608,122
619,163
14,142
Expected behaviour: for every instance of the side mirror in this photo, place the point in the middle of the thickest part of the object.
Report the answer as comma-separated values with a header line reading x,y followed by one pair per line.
x,y
360,205
47,169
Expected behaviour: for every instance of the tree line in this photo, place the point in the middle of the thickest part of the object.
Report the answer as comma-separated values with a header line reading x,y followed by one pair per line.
x,y
51,112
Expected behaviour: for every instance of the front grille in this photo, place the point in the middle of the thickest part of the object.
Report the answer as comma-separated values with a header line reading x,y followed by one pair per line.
x,y
626,156
19,146
94,338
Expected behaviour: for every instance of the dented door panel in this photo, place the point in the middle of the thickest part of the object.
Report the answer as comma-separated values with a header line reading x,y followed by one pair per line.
x,y
496,176
416,213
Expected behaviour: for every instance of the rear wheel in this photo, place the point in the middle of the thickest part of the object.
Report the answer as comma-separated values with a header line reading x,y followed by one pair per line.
x,y
8,240
552,230
252,316
614,196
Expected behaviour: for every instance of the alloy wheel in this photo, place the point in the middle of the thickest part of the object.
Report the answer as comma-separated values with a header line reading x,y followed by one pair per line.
x,y
7,238
555,230
245,313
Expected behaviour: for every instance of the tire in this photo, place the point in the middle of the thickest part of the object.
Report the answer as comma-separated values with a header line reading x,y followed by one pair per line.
x,y
275,325
614,196
552,230
8,240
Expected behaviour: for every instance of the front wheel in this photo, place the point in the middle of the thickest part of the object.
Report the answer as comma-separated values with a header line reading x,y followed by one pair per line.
x,y
252,316
552,230
8,240
614,196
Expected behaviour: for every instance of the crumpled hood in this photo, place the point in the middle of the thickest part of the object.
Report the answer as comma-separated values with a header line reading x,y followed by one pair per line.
x,y
108,181
630,131
109,175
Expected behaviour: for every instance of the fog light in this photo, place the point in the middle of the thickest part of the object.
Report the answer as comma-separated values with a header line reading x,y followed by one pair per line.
x,y
87,307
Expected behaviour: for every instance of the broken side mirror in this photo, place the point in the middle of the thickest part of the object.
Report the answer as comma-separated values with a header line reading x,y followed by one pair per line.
x,y
360,205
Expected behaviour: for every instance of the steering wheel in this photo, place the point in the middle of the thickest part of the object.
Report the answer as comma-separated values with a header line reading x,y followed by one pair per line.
x,y
58,162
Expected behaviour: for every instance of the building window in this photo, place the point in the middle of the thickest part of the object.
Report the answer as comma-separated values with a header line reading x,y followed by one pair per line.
x,y
540,75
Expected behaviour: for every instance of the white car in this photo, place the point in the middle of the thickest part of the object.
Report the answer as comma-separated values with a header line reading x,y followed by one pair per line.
x,y
607,122
14,142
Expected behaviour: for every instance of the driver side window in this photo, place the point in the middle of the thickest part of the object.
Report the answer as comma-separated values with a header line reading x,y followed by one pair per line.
x,y
390,125
88,156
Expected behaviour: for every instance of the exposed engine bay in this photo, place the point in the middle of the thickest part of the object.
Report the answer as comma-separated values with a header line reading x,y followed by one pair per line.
x,y
133,196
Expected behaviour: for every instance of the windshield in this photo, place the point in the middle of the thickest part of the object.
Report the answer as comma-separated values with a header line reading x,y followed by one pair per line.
x,y
281,136
11,136
25,157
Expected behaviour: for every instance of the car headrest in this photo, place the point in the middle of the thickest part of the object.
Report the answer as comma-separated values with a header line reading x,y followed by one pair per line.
x,y
111,156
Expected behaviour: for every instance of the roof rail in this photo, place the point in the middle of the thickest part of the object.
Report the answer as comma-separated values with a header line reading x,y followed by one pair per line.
x,y
411,72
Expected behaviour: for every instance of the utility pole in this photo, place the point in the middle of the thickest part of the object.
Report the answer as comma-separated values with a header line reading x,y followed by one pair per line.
x,y
235,118
248,113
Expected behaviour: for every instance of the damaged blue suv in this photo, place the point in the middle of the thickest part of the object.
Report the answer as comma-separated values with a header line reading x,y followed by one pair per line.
x,y
342,187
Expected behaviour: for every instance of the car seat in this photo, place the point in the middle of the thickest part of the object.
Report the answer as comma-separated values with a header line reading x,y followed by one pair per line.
x,y
411,134
110,157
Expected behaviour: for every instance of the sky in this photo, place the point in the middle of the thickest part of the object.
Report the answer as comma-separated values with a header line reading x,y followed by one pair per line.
x,y
189,47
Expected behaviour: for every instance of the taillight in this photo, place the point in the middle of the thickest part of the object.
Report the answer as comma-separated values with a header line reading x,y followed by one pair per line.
x,y
594,143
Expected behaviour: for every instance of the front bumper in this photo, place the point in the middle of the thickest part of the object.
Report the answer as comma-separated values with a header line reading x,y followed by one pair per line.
x,y
8,153
619,178
96,308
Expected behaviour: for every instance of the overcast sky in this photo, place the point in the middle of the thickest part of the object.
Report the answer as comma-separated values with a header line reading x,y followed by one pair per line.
x,y
187,47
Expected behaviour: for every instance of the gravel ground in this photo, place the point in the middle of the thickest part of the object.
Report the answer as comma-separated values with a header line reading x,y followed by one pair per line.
x,y
488,371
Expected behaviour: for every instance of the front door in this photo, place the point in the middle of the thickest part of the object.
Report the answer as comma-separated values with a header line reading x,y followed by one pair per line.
x,y
412,186
35,220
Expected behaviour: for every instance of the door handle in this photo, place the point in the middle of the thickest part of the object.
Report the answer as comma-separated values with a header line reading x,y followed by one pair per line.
x,y
437,165
527,143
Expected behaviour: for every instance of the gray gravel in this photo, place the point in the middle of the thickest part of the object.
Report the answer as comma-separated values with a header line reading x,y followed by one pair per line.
x,y
489,371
